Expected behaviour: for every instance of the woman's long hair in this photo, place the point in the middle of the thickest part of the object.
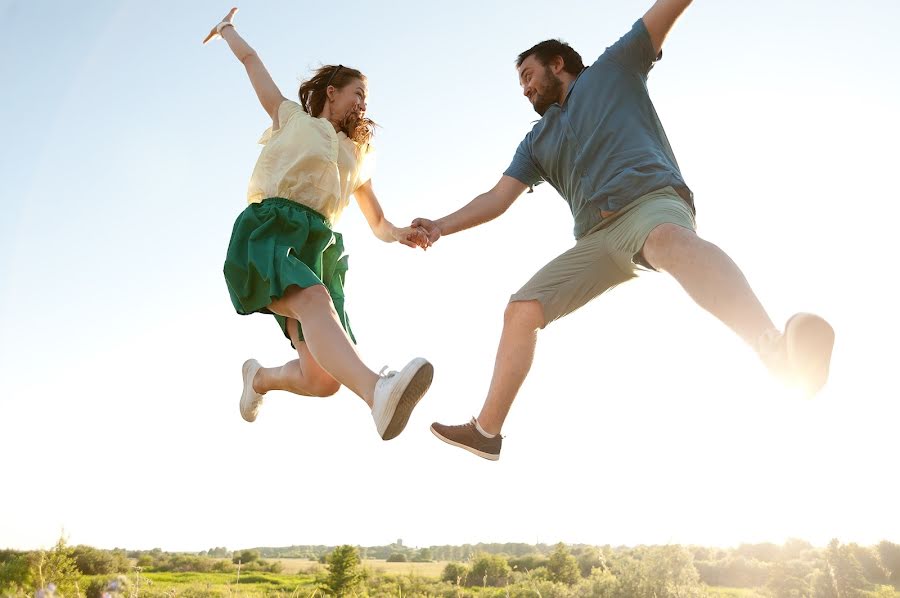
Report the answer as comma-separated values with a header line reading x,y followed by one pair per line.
x,y
312,98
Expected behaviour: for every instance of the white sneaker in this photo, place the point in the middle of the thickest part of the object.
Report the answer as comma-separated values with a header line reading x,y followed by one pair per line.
x,y
250,400
397,393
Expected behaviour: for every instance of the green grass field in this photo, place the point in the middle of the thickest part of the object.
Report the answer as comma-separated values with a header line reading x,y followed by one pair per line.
x,y
431,570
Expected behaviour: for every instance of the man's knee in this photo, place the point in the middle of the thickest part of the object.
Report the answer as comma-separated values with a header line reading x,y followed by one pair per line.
x,y
665,244
526,314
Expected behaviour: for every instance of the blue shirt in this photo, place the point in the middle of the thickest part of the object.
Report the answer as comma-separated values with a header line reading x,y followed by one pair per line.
x,y
604,147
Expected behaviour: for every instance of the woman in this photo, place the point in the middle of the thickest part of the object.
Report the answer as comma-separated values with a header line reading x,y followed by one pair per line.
x,y
284,258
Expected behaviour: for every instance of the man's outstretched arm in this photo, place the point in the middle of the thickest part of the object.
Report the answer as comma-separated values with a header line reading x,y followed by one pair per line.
x,y
483,208
660,19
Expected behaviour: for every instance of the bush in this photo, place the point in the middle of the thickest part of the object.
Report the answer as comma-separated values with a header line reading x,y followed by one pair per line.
x,y
98,586
489,570
528,562
15,572
455,573
245,556
396,557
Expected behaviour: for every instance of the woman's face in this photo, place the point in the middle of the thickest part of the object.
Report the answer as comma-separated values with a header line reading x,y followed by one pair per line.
x,y
349,102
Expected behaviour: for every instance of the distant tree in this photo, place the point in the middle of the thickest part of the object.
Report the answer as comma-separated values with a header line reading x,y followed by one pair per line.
x,y
655,572
765,552
867,558
795,549
889,554
843,576
528,562
245,556
562,566
601,584
589,559
668,571
396,557
489,570
783,583
423,555
344,571
93,561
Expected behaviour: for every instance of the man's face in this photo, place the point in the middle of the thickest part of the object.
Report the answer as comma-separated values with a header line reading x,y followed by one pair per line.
x,y
539,84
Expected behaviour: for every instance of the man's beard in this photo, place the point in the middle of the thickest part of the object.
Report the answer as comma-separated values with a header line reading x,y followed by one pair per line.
x,y
550,94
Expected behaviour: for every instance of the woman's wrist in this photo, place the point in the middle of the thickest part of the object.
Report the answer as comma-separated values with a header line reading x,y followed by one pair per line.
x,y
222,26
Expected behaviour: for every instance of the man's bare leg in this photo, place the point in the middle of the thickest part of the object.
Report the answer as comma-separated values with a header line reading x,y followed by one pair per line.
x,y
515,354
801,356
711,278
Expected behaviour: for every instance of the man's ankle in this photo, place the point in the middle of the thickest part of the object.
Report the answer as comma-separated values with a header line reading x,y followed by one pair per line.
x,y
482,431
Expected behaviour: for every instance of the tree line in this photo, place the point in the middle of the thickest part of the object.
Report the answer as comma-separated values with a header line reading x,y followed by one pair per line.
x,y
795,569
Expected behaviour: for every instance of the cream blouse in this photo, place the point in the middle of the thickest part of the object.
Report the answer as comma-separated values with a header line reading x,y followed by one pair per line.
x,y
306,161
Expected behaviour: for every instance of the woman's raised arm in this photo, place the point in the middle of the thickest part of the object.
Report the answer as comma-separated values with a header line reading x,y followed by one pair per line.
x,y
268,93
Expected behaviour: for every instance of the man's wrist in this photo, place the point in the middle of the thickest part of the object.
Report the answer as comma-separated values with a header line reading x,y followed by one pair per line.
x,y
222,26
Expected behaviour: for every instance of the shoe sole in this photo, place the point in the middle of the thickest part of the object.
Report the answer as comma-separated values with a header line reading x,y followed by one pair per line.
x,y
474,451
245,369
810,343
418,385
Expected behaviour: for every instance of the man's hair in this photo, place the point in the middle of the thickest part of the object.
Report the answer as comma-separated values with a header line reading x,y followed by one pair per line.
x,y
547,49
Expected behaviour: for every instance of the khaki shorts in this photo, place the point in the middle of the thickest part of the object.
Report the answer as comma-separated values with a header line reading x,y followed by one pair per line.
x,y
608,255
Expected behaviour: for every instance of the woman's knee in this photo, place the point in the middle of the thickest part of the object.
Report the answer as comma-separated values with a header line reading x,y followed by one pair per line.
x,y
526,314
324,386
306,301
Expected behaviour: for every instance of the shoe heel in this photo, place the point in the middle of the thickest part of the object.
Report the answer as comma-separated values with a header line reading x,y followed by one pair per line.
x,y
412,394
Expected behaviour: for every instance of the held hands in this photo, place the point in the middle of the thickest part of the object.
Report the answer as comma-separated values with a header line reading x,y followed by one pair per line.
x,y
430,229
217,31
411,236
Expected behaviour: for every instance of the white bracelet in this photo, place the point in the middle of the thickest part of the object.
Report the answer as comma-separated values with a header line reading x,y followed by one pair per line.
x,y
222,26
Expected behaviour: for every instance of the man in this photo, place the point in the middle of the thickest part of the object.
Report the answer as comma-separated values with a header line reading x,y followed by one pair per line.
x,y
600,144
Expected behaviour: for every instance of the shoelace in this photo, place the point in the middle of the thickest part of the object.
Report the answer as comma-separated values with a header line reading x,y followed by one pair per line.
x,y
381,373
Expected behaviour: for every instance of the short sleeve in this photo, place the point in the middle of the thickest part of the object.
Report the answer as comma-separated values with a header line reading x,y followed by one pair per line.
x,y
365,168
523,168
634,50
287,110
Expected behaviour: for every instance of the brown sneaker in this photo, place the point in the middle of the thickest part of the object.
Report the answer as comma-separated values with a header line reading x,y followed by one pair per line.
x,y
468,437
801,356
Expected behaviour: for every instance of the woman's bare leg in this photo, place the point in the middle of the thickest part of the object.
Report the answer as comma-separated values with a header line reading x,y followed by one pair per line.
x,y
326,341
303,376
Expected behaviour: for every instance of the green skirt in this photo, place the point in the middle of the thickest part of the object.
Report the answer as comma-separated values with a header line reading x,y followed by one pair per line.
x,y
279,243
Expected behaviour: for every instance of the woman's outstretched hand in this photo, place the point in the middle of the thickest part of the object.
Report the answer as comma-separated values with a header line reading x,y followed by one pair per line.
x,y
214,32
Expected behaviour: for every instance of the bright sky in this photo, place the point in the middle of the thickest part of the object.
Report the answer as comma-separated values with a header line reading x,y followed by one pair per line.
x,y
126,151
